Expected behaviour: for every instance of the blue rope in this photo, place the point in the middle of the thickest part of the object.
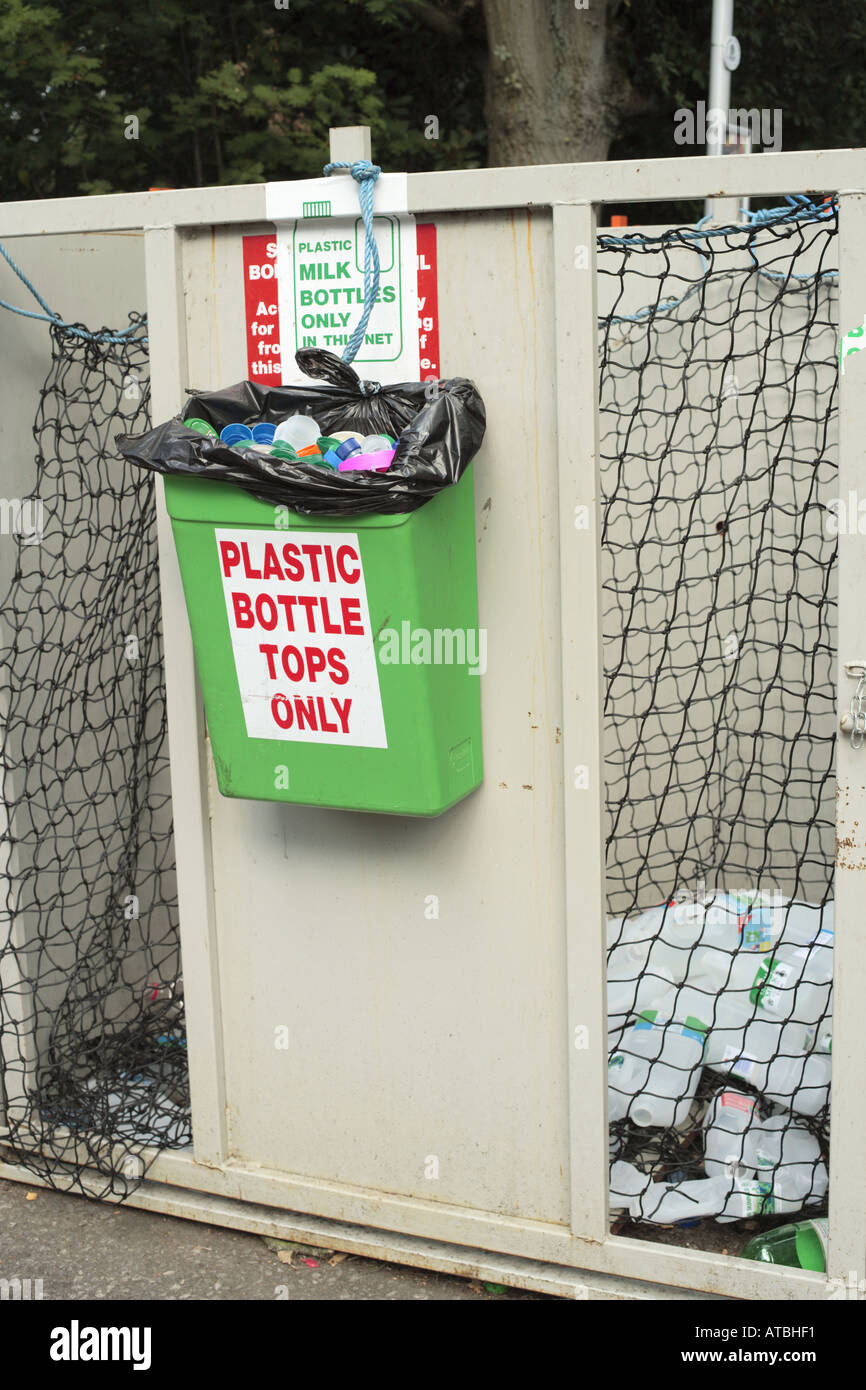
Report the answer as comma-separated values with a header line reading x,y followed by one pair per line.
x,y
800,205
36,295
50,317
803,211
365,175
800,209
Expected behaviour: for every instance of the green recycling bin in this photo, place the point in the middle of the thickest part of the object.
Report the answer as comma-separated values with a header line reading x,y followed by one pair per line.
x,y
339,657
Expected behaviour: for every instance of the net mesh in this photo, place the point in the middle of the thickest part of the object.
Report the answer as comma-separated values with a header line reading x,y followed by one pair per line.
x,y
718,459
94,1068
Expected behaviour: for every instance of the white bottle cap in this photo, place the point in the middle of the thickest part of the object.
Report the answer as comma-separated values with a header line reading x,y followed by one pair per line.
x,y
299,430
375,443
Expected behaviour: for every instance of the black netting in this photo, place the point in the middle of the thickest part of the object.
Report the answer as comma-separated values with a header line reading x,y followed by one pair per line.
x,y
718,457
94,1071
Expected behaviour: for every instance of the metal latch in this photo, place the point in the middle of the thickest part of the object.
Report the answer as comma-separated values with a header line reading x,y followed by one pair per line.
x,y
853,721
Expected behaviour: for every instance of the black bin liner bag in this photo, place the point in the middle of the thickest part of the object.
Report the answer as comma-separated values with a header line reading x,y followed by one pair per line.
x,y
439,425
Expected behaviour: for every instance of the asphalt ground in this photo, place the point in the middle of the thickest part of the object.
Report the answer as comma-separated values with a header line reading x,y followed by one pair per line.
x,y
83,1250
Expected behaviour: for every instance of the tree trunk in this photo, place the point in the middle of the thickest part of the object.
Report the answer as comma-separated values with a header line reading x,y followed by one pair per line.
x,y
551,90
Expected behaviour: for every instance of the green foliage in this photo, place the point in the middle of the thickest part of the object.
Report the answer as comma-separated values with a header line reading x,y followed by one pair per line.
x,y
233,91
804,59
229,91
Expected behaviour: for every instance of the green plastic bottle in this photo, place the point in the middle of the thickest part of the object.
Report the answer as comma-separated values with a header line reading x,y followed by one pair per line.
x,y
802,1244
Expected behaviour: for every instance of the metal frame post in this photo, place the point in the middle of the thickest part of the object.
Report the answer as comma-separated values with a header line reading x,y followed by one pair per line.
x,y
848,1135
186,726
349,143
576,328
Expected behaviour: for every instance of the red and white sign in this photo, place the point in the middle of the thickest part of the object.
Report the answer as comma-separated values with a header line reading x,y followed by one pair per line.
x,y
317,298
262,310
428,301
301,636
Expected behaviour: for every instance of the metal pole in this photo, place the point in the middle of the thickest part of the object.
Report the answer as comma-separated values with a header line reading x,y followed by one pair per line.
x,y
720,77
720,80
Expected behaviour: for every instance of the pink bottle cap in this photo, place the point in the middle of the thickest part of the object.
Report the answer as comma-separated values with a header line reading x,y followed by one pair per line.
x,y
368,463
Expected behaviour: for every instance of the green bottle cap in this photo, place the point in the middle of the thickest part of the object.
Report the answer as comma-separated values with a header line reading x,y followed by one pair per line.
x,y
325,444
201,427
282,450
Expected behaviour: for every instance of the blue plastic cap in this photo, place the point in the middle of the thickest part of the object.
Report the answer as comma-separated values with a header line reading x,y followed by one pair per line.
x,y
264,433
236,434
348,448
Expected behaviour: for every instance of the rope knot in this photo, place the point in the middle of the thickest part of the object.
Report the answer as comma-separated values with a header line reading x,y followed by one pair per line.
x,y
362,171
365,172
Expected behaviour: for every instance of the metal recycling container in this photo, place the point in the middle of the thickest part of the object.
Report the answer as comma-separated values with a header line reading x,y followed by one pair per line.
x,y
339,658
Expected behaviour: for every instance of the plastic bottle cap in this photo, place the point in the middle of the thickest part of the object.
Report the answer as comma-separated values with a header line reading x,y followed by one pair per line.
x,y
328,442
264,432
281,450
201,427
342,435
375,443
309,452
235,434
367,463
348,447
299,430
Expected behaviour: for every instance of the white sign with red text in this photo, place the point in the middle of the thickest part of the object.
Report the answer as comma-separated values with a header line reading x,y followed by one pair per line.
x,y
301,636
304,287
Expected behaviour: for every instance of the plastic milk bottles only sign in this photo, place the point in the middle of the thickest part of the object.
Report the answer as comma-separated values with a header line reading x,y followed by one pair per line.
x,y
304,284
301,636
